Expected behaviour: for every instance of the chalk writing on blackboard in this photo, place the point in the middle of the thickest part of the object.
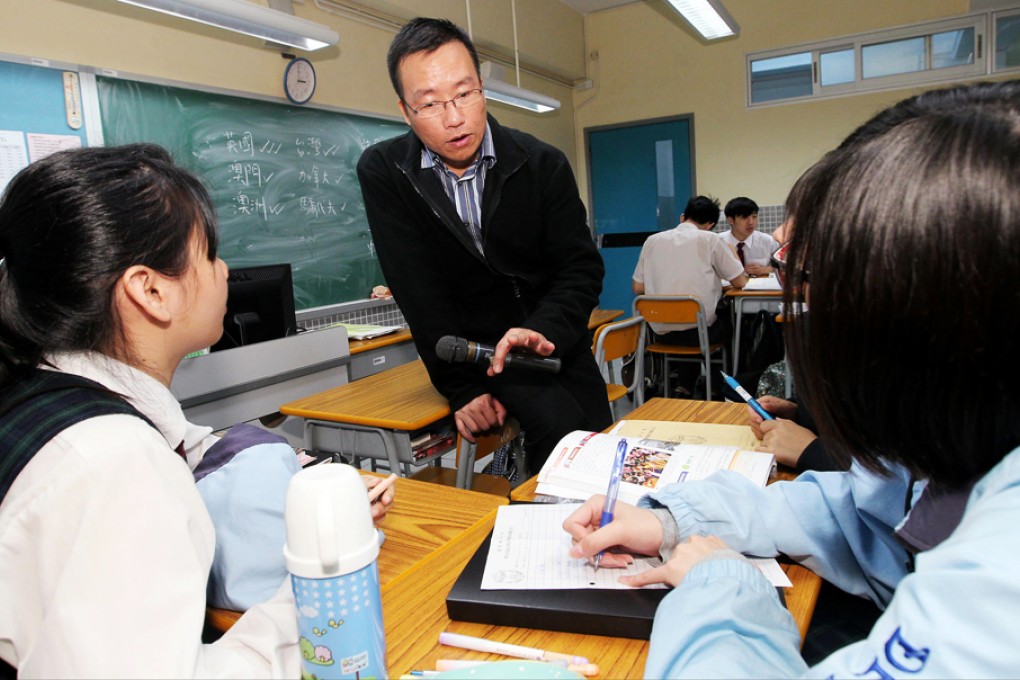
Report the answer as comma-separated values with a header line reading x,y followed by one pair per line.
x,y
283,178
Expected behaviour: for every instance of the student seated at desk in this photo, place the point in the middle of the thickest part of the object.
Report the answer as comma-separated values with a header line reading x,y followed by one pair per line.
x,y
753,248
920,204
109,278
690,260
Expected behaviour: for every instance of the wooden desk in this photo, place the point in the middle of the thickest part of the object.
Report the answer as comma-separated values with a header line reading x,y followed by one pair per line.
x,y
800,599
373,417
739,297
601,316
414,604
424,519
394,338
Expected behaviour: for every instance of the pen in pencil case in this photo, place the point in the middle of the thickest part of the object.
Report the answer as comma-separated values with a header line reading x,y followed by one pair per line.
x,y
746,396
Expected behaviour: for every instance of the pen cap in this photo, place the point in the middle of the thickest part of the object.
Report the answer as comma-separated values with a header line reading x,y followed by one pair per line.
x,y
329,523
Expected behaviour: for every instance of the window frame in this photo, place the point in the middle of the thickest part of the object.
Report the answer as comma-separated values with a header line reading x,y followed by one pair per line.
x,y
983,24
993,40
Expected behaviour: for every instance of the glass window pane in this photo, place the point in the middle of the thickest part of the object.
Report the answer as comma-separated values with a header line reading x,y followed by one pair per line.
x,y
837,67
952,48
781,77
1007,42
890,58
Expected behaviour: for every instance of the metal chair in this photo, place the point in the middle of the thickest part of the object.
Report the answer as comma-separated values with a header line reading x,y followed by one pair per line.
x,y
686,309
618,340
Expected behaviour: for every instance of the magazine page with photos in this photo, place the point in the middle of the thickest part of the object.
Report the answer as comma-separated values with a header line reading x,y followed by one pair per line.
x,y
581,463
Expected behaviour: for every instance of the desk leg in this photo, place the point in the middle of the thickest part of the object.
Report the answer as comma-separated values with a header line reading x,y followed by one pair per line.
x,y
466,454
738,314
787,379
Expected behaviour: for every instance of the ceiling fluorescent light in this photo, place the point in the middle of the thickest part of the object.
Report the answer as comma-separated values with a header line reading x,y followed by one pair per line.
x,y
245,17
498,90
708,17
506,93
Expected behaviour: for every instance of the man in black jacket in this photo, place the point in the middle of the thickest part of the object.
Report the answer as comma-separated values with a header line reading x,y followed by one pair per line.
x,y
481,234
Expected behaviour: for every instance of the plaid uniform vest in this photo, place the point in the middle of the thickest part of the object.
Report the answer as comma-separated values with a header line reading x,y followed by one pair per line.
x,y
41,405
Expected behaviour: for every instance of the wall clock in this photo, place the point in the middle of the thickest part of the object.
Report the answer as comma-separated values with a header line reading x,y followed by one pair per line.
x,y
299,80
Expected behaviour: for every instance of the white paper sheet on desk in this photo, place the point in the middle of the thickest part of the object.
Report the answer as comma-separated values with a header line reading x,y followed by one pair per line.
x,y
769,282
531,551
366,331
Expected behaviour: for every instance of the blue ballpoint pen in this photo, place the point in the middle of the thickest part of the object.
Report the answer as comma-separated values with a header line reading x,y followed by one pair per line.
x,y
751,401
614,488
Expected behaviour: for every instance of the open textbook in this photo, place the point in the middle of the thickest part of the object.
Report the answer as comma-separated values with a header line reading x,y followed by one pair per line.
x,y
657,454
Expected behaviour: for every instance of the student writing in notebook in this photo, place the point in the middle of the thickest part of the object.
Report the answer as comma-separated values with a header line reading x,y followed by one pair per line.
x,y
108,278
919,205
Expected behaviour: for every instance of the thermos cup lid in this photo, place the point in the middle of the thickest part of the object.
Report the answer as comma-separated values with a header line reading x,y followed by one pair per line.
x,y
329,523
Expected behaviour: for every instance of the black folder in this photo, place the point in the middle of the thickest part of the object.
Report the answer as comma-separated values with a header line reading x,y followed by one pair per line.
x,y
617,613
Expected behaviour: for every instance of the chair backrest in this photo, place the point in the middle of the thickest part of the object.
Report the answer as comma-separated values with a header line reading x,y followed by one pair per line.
x,y
617,339
673,309
669,308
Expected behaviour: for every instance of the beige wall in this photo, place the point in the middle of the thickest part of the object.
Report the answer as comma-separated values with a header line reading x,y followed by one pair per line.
x,y
651,66
109,34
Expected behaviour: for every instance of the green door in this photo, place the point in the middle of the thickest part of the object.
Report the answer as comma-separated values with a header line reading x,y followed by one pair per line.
x,y
641,175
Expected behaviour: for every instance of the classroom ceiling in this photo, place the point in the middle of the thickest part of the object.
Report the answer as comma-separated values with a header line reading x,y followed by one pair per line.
x,y
589,6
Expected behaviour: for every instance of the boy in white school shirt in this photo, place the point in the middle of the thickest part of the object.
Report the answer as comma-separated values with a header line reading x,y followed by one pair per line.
x,y
689,260
753,248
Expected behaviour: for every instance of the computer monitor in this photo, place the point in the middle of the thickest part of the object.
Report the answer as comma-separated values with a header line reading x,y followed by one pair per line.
x,y
260,306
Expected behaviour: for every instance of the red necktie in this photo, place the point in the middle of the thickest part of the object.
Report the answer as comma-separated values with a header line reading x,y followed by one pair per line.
x,y
180,451
740,253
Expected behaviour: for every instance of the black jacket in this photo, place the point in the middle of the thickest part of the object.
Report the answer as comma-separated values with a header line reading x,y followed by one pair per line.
x,y
541,269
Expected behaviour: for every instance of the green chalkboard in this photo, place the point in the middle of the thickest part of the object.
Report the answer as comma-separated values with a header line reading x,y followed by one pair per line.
x,y
283,178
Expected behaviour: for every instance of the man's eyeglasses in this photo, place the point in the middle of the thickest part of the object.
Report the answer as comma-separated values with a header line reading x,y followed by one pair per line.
x,y
463,100
779,263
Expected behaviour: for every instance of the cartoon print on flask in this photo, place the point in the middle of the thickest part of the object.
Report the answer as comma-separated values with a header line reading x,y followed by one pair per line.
x,y
327,606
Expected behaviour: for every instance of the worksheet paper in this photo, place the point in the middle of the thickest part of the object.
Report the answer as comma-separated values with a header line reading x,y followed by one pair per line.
x,y
531,551
13,155
769,282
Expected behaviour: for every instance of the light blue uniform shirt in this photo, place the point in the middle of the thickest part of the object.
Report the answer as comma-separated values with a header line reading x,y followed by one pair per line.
x,y
954,616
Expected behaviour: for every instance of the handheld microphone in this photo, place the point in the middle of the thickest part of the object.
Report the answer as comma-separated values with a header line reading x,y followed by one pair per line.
x,y
458,350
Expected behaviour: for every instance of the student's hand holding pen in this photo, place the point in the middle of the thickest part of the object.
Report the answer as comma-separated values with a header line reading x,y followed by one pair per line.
x,y
782,437
786,440
636,530
780,408
380,495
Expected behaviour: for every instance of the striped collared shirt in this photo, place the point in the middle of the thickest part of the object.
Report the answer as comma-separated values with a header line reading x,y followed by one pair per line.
x,y
466,191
